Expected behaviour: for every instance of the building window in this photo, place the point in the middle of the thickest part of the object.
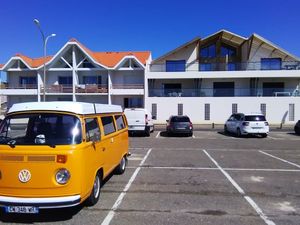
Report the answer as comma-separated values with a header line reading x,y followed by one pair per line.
x,y
291,112
207,111
223,89
175,65
227,50
208,52
231,66
66,81
134,102
92,80
154,111
270,63
172,90
263,109
234,108
28,82
205,67
180,109
273,88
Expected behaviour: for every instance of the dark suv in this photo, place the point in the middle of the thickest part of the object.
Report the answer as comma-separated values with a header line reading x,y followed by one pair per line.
x,y
179,125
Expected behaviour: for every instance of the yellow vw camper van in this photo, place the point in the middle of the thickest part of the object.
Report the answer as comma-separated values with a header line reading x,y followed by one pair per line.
x,y
56,154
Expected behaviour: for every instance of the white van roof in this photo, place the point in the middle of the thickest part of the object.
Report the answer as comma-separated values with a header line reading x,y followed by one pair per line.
x,y
73,107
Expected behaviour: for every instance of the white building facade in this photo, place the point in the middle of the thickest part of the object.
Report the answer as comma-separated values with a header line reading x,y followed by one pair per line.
x,y
209,79
76,73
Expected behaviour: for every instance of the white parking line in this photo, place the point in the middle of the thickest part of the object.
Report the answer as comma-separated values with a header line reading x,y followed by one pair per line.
x,y
283,160
213,168
158,134
242,192
111,213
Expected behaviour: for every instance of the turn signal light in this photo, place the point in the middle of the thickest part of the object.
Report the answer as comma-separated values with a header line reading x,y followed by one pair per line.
x,y
61,158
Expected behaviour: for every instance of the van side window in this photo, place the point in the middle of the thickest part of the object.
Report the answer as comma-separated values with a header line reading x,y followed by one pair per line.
x,y
92,130
120,122
108,124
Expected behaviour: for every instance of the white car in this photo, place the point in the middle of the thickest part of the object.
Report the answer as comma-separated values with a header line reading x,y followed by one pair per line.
x,y
139,120
244,124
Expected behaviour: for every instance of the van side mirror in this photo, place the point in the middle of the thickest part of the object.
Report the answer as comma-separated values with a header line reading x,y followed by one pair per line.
x,y
154,117
167,121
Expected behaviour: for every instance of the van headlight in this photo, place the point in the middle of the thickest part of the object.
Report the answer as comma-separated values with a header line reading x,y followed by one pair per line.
x,y
62,176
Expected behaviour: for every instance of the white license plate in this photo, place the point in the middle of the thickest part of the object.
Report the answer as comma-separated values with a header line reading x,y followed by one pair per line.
x,y
22,209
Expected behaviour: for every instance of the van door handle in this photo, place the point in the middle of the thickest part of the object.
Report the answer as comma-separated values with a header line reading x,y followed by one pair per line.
x,y
103,149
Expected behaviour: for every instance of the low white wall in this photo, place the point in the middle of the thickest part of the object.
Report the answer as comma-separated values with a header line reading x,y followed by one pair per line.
x,y
277,108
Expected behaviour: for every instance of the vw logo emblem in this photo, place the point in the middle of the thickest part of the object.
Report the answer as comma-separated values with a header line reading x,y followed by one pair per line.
x,y
24,176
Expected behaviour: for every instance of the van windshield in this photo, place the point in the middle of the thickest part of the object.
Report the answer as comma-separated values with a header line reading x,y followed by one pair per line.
x,y
255,118
40,129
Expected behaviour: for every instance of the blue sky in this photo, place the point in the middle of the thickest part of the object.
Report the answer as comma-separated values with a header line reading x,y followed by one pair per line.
x,y
159,26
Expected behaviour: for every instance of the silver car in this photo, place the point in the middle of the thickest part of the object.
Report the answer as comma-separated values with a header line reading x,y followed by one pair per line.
x,y
244,124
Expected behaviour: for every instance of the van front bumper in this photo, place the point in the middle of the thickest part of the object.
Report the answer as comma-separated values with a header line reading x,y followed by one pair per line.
x,y
42,203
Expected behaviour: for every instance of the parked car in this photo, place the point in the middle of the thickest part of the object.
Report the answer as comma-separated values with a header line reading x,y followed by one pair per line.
x,y
244,124
139,121
297,127
179,125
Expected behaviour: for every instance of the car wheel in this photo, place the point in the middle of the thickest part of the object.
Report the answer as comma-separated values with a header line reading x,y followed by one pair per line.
x,y
120,169
225,129
238,132
95,194
264,135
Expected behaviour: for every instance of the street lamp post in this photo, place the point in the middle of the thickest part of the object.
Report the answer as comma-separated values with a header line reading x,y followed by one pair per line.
x,y
45,40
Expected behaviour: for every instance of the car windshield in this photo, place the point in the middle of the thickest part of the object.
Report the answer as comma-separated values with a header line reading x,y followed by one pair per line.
x,y
180,119
255,118
40,129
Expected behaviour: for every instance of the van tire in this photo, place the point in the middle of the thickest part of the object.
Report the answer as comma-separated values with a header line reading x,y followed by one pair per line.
x,y
95,194
147,131
120,169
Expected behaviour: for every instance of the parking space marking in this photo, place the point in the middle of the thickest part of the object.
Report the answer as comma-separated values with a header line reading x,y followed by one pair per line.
x,y
214,168
283,160
111,213
241,191
158,134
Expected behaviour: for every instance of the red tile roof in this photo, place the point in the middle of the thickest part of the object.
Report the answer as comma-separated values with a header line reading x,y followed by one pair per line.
x,y
109,59
1,65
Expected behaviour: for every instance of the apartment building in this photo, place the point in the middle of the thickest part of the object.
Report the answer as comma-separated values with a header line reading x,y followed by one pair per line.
x,y
210,78
207,79
76,73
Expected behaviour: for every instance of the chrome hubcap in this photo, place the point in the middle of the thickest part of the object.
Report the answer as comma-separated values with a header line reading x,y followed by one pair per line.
x,y
96,187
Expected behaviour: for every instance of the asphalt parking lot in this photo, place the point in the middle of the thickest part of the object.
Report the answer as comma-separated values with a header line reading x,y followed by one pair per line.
x,y
210,178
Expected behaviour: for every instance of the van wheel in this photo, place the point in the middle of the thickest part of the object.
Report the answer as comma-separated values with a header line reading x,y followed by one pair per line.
x,y
147,132
238,132
95,194
120,169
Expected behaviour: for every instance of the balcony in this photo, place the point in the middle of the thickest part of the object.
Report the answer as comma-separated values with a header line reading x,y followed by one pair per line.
x,y
91,88
230,66
225,92
24,89
57,88
127,89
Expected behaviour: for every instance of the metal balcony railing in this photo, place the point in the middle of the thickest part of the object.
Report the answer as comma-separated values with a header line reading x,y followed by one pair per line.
x,y
230,66
57,88
91,88
128,86
224,92
21,86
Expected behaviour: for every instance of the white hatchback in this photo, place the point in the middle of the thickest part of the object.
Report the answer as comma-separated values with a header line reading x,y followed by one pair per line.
x,y
244,124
